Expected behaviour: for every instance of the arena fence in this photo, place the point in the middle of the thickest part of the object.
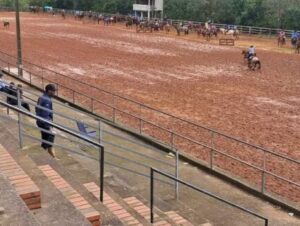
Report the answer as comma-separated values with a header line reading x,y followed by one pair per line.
x,y
256,167
247,30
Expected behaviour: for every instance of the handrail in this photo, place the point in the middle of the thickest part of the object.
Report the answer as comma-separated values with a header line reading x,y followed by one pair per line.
x,y
74,120
63,129
153,170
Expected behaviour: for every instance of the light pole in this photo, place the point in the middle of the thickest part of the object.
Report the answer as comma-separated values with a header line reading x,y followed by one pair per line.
x,y
19,46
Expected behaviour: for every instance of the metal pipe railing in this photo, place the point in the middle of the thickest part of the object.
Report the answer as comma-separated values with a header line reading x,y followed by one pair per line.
x,y
63,129
196,189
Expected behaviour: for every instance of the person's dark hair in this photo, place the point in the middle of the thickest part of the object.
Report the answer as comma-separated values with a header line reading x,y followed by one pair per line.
x,y
50,87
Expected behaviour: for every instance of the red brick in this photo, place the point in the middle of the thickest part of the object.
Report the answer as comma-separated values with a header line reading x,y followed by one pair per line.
x,y
34,206
122,216
86,206
92,216
117,212
28,194
33,200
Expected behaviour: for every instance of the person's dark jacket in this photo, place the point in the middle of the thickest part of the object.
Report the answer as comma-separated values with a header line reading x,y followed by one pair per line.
x,y
44,102
12,99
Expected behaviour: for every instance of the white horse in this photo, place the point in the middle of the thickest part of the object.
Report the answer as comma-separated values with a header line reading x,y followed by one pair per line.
x,y
234,33
223,31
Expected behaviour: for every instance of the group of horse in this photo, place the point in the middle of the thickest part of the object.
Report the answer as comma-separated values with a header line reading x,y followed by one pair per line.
x,y
203,29
295,42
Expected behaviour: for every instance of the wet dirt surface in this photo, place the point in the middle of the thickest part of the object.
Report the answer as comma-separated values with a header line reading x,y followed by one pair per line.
x,y
187,77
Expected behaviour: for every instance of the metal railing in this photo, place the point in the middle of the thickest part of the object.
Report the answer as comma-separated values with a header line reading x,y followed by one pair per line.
x,y
196,189
67,120
175,133
65,130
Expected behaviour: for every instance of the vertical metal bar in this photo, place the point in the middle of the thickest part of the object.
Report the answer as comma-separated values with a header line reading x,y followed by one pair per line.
x,y
19,46
263,178
114,114
42,81
100,132
73,96
211,163
177,175
266,222
140,119
101,167
19,118
57,89
151,196
30,78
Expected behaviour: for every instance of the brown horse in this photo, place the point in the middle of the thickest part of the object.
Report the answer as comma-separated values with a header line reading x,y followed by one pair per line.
x,y
6,24
281,40
298,46
253,62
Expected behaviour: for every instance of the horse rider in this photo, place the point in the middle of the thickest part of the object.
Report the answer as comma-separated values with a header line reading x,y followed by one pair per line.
x,y
282,34
251,52
295,35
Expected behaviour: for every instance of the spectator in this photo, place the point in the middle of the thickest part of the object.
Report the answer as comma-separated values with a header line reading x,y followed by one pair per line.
x,y
23,104
12,94
3,85
46,113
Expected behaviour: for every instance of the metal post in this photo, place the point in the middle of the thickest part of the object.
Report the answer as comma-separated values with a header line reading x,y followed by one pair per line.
x,y
19,46
266,222
92,105
177,175
263,179
149,6
151,196
101,167
114,110
19,118
73,97
100,132
212,151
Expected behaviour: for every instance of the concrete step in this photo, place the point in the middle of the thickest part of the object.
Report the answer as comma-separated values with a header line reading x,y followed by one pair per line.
x,y
56,209
72,195
13,210
20,180
118,210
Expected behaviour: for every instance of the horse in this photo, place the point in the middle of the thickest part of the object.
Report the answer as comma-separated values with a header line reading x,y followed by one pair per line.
x,y
281,40
298,46
63,14
253,62
6,24
106,21
167,28
234,33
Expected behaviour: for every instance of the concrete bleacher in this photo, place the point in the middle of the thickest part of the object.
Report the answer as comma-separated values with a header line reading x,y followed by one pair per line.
x,y
126,194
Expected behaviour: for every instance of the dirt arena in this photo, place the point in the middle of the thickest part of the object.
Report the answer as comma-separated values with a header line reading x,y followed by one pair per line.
x,y
185,76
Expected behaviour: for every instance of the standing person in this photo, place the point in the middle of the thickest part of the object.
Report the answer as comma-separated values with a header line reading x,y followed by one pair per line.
x,y
3,85
23,103
45,102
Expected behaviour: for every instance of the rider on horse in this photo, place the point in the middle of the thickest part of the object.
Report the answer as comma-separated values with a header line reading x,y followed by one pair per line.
x,y
251,52
282,34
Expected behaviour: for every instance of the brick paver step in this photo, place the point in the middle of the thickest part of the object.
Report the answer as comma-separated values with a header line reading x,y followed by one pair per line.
x,y
23,184
177,219
113,206
72,195
144,211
